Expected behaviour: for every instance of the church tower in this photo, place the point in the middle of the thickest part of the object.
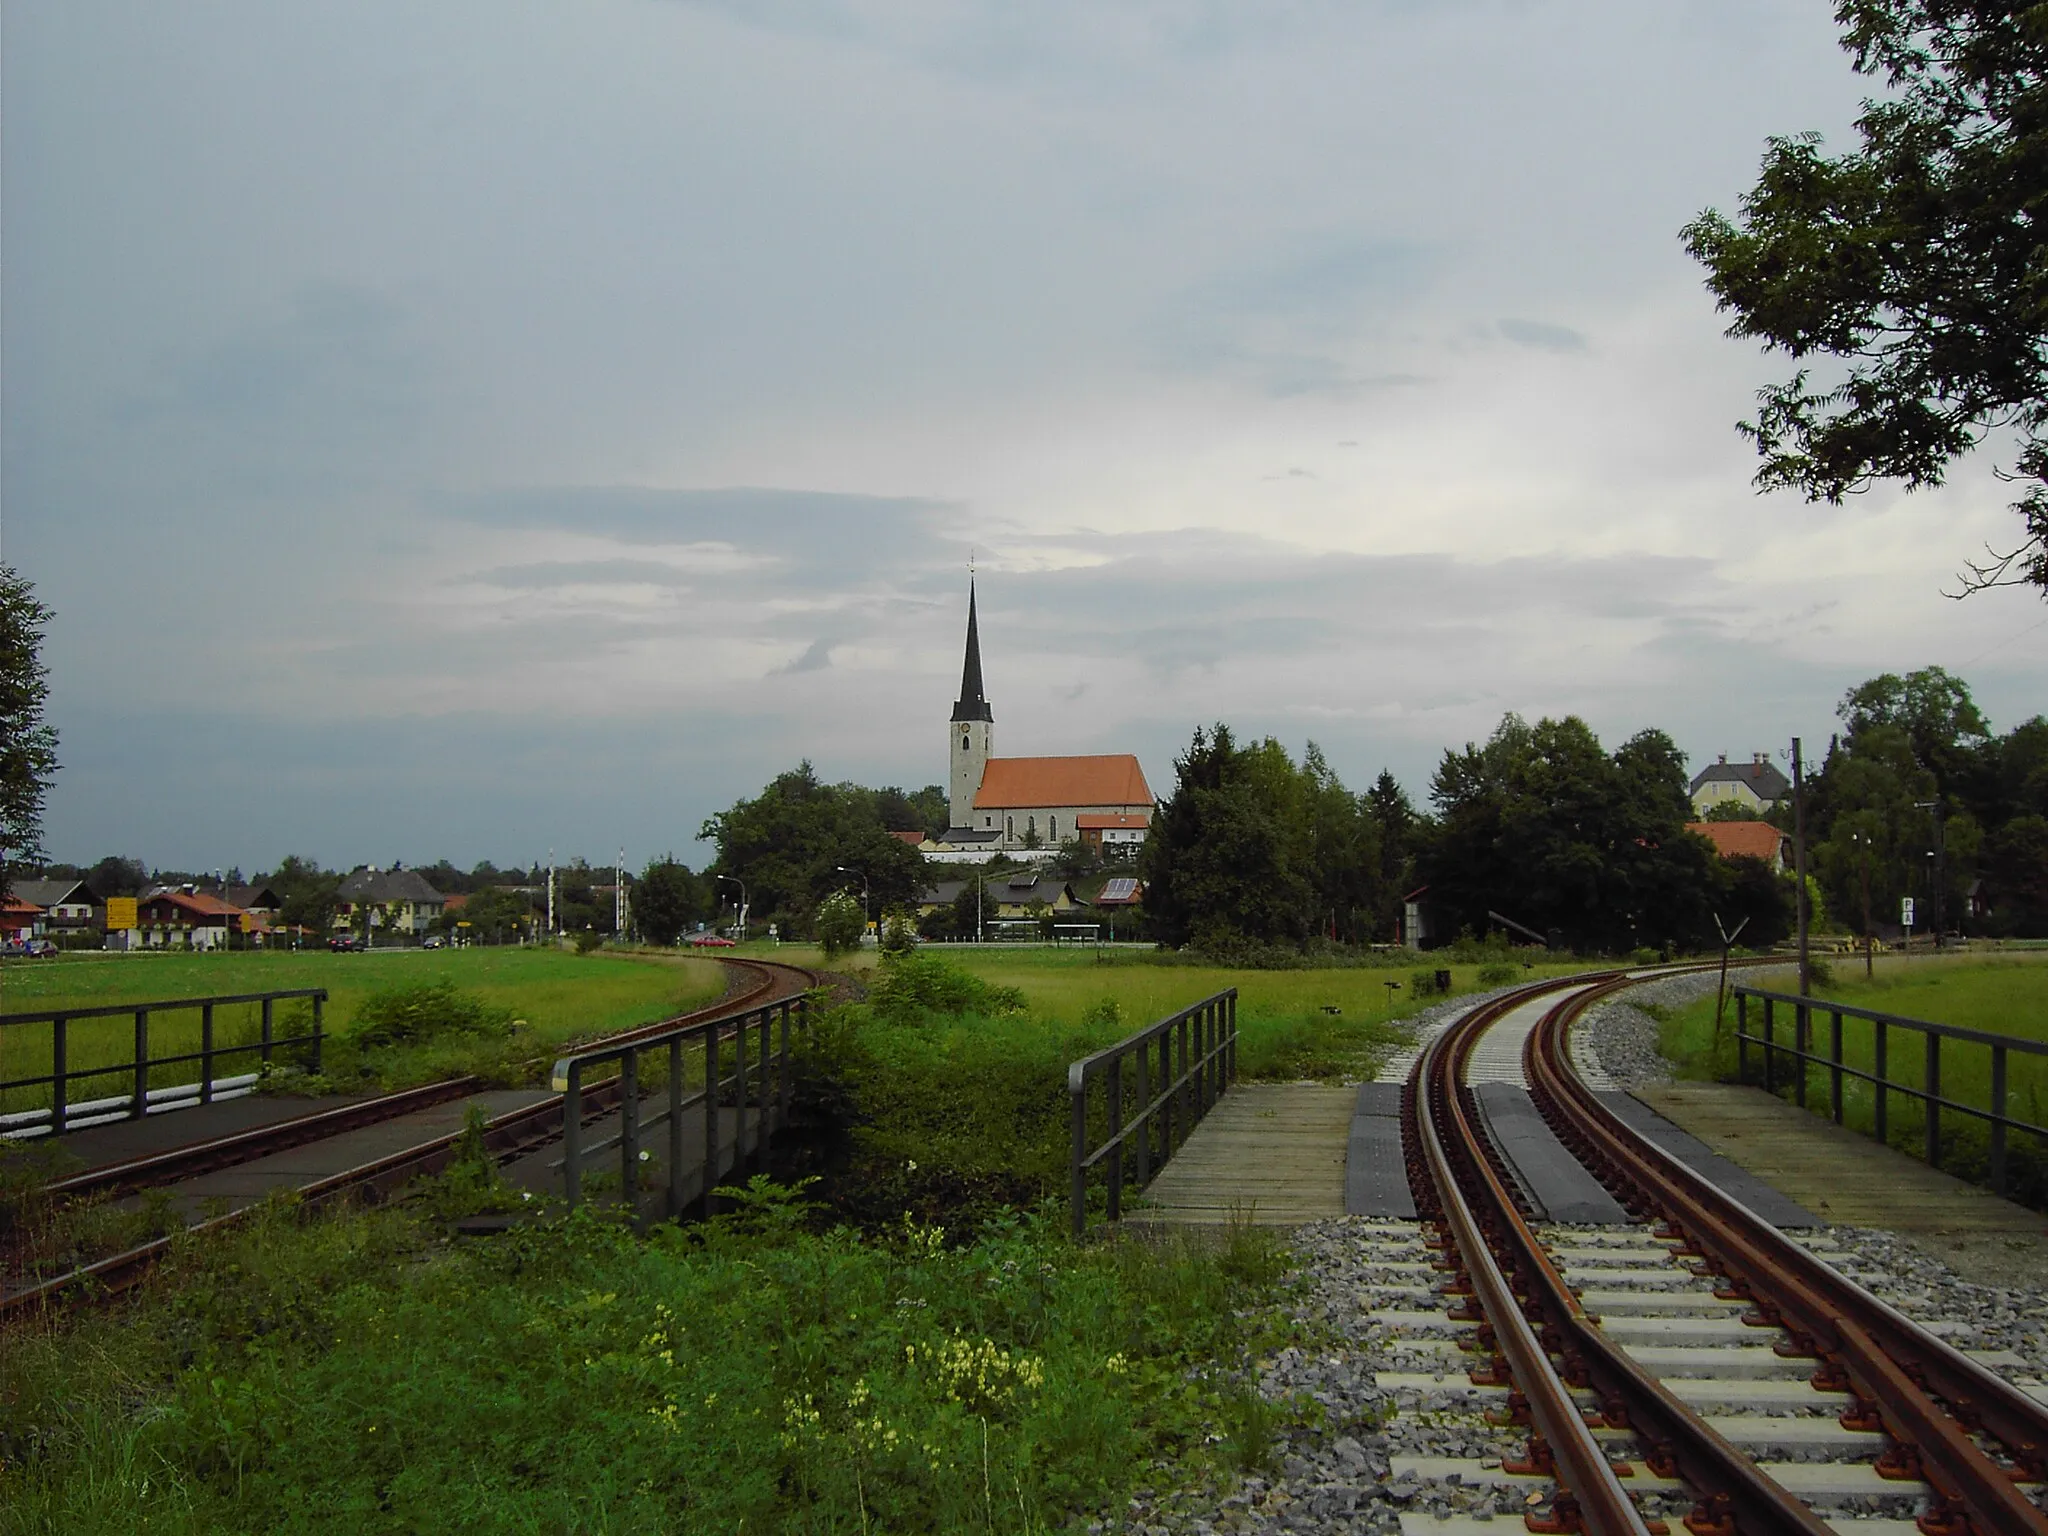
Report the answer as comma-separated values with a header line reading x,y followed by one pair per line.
x,y
968,737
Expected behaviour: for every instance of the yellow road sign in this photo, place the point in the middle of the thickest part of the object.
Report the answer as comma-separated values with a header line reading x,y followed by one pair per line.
x,y
120,913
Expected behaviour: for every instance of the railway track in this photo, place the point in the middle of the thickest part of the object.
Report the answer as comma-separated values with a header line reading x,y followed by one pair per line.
x,y
508,1134
1696,1358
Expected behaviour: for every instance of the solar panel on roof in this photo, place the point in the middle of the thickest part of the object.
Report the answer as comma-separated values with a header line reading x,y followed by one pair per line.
x,y
1122,888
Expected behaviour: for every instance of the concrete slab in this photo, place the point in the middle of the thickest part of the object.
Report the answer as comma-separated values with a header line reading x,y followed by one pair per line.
x,y
123,1141
1557,1184
1375,1177
1774,1206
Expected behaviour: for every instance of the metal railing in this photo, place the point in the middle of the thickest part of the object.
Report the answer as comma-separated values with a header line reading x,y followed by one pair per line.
x,y
758,1079
1929,1094
1196,1061
65,1114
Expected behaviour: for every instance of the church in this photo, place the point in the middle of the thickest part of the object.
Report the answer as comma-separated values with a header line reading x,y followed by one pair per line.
x,y
1009,803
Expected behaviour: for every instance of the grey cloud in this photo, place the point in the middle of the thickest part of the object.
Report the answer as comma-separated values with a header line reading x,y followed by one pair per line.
x,y
1541,336
817,658
542,575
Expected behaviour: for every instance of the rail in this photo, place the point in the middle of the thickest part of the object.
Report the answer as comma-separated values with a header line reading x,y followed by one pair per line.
x,y
1929,1093
1197,1062
64,1114
751,1034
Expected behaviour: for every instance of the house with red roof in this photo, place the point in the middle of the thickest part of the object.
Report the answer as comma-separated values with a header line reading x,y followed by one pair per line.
x,y
1005,803
1746,839
184,917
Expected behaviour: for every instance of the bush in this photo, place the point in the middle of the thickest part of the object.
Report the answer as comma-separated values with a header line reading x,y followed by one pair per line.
x,y
839,924
899,933
1422,984
1499,975
915,988
587,940
416,1033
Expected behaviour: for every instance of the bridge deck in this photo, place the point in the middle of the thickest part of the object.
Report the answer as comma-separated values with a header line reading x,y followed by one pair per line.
x,y
1268,1155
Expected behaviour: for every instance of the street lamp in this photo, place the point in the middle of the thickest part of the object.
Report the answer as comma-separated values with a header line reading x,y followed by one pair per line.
x,y
736,880
841,869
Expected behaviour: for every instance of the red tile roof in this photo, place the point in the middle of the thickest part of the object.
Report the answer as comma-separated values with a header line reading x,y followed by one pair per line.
x,y
1033,783
915,839
1733,839
199,903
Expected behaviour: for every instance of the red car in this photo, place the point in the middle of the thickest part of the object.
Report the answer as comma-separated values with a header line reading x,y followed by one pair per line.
x,y
711,941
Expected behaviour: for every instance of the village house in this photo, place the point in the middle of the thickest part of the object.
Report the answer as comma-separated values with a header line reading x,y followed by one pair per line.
x,y
184,917
396,903
1747,839
1756,785
68,906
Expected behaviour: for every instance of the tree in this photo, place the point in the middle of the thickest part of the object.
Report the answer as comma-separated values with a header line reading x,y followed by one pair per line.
x,y
789,842
1913,263
308,894
1542,825
495,914
667,900
116,876
28,746
840,923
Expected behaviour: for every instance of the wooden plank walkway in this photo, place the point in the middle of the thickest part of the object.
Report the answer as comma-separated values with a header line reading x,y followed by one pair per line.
x,y
1843,1176
1268,1155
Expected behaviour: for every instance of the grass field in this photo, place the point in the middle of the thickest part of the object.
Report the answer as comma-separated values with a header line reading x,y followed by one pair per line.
x,y
1285,1020
2006,995
560,996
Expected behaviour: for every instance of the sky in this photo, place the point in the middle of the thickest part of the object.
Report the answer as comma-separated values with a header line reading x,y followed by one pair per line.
x,y
470,428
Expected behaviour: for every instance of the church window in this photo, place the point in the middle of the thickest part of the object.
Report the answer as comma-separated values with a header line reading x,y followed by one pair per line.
x,y
963,741
1052,826
1031,826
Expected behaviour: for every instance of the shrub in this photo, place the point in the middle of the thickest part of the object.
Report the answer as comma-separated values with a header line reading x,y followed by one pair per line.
x,y
839,924
426,1011
1499,975
899,933
1422,984
914,988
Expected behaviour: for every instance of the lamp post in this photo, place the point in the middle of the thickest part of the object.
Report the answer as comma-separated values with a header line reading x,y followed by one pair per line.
x,y
736,880
841,869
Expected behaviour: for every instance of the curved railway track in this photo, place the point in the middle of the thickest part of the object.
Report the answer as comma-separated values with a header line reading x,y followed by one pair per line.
x,y
1922,1411
507,1136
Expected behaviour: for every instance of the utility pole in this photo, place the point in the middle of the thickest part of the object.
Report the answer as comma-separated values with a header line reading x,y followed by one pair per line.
x,y
551,893
1799,861
1940,852
619,898
1863,840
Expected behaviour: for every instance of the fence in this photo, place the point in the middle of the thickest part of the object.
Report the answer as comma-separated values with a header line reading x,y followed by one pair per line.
x,y
1930,1094
1197,1061
141,1099
751,1037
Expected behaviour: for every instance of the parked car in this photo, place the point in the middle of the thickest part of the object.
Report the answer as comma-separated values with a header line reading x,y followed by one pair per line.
x,y
710,941
432,941
345,944
35,949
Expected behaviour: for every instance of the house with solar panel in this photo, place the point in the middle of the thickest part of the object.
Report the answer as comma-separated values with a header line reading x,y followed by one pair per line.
x,y
1003,804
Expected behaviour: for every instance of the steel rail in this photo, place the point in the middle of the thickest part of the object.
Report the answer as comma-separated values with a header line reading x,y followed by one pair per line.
x,y
1895,1367
1591,1495
1678,1441
508,1135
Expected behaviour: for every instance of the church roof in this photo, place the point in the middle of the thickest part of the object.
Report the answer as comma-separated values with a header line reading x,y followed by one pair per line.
x,y
1031,783
972,705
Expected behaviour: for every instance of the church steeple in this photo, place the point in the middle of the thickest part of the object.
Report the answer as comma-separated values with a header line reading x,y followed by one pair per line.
x,y
972,705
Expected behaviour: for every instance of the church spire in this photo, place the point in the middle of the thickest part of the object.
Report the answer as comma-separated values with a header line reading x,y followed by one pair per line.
x,y
971,705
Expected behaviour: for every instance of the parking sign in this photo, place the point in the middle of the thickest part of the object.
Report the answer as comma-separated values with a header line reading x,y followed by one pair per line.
x,y
1905,911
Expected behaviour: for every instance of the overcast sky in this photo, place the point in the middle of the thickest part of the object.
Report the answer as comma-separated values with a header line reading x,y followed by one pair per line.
x,y
465,427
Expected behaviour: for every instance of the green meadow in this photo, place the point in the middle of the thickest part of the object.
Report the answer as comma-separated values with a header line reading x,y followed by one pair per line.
x,y
554,994
2000,994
